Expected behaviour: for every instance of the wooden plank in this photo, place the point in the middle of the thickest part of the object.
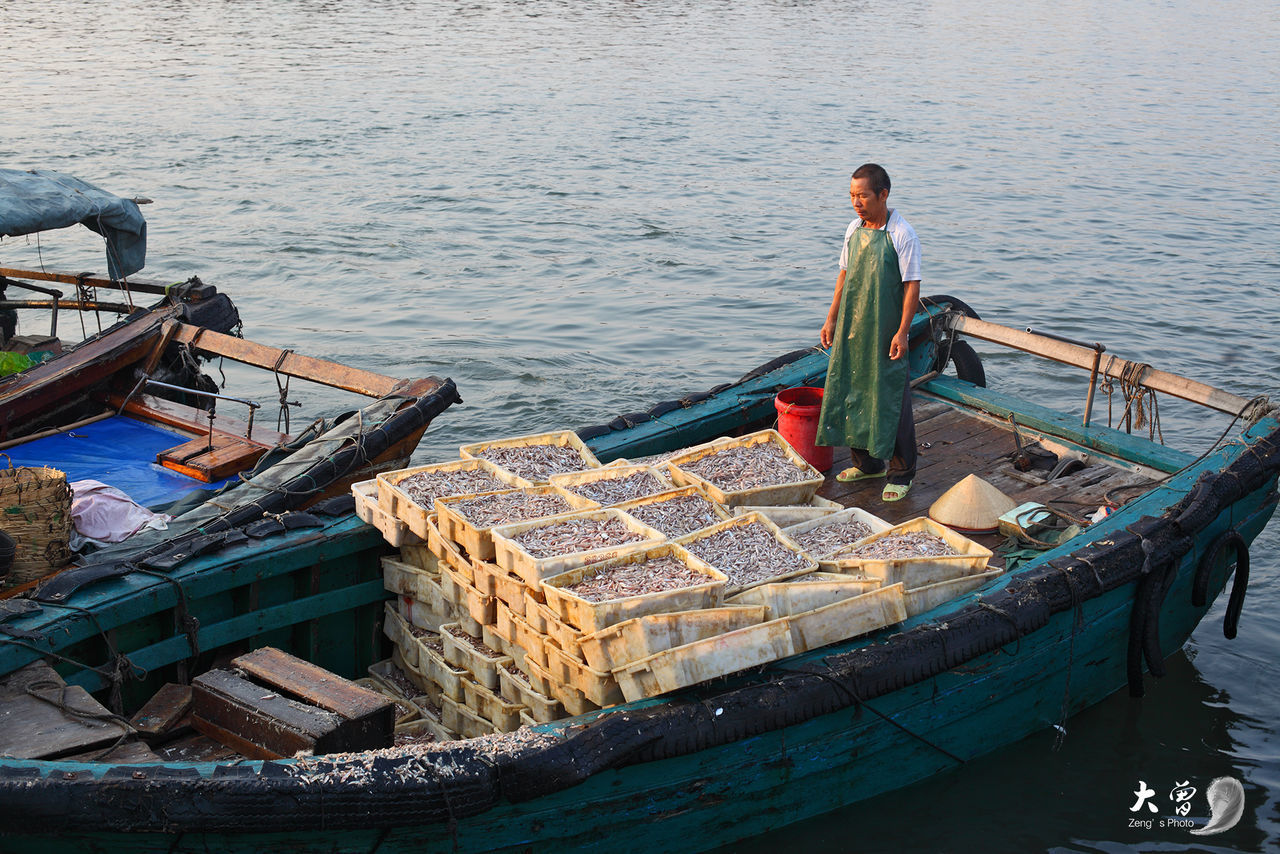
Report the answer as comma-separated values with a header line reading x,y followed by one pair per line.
x,y
1034,418
165,713
369,717
168,329
285,362
142,286
33,724
229,455
129,753
222,702
196,748
310,683
37,674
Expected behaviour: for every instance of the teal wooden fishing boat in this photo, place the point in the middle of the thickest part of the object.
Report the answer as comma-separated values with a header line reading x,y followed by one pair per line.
x,y
710,764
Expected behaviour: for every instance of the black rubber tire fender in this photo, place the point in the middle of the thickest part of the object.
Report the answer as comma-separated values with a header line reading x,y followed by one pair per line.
x,y
947,299
968,365
1239,585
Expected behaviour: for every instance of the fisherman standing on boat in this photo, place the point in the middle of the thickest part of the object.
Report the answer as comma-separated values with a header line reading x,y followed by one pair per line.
x,y
867,401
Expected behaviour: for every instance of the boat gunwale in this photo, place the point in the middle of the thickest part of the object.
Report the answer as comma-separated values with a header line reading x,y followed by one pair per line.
x,y
1163,498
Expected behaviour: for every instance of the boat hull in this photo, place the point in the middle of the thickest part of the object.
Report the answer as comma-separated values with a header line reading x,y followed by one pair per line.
x,y
716,796
806,736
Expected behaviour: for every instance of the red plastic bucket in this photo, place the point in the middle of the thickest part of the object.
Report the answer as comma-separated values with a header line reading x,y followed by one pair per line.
x,y
798,410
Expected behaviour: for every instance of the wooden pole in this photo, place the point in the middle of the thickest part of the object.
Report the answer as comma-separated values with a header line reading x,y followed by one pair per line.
x,y
285,361
1111,367
88,280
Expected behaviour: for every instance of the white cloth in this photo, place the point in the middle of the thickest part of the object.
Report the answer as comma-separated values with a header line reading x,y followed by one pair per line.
x,y
904,240
104,514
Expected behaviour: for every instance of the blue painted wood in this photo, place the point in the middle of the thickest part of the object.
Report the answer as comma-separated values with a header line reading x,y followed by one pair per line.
x,y
211,636
1115,443
208,584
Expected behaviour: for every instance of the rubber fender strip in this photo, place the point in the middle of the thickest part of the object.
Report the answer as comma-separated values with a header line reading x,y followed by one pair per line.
x,y
1198,509
596,748
661,409
68,581
338,505
403,791
1239,586
16,608
695,397
23,634
773,364
185,551
623,422
1133,656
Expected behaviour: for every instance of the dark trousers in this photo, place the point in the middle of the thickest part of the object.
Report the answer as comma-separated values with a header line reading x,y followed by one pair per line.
x,y
902,468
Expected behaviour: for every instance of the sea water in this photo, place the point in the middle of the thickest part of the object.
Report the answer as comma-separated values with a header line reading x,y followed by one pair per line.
x,y
578,209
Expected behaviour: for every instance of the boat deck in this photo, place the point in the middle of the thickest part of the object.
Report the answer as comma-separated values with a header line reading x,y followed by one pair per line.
x,y
953,444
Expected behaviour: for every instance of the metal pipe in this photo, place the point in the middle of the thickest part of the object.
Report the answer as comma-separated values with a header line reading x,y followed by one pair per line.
x,y
7,282
1098,350
147,381
200,393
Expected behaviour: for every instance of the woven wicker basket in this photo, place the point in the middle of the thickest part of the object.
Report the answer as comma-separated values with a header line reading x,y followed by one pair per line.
x,y
35,510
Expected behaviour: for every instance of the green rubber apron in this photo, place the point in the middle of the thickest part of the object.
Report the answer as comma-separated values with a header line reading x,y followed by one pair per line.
x,y
862,401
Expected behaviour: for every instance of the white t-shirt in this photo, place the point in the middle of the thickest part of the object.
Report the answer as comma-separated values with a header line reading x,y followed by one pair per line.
x,y
905,243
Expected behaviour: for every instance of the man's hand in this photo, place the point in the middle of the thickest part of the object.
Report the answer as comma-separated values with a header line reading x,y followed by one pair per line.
x,y
828,332
898,346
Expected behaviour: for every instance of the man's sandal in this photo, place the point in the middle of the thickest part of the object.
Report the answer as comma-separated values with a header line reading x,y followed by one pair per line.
x,y
853,473
895,491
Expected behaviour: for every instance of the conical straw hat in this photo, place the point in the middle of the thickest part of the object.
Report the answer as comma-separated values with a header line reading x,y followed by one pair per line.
x,y
971,505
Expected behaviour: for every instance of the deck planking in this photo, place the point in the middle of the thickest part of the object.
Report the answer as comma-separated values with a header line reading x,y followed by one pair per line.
x,y
953,444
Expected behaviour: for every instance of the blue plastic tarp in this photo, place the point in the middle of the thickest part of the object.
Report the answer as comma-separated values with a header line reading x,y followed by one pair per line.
x,y
118,451
41,200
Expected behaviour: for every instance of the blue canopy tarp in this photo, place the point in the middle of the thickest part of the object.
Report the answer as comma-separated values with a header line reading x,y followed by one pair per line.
x,y
40,200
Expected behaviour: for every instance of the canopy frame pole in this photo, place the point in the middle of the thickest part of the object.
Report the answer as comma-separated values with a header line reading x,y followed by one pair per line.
x,y
285,362
1085,357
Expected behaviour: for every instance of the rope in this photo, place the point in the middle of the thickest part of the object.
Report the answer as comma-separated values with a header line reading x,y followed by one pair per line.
x,y
105,674
1135,414
82,294
63,706
120,665
1106,496
1077,606
283,388
858,701
187,622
